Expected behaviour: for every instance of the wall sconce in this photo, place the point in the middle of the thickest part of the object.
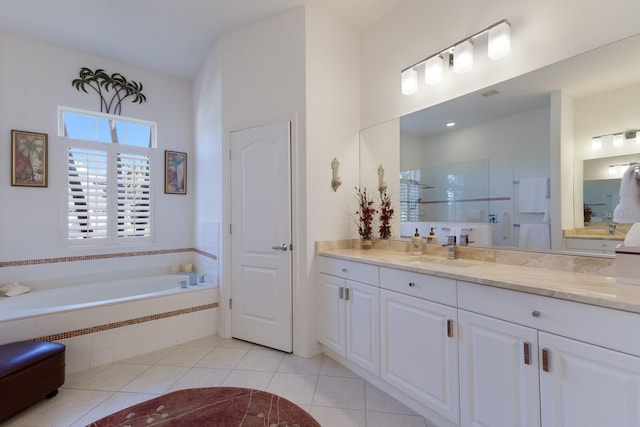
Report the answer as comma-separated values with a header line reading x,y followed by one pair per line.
x,y
617,139
460,57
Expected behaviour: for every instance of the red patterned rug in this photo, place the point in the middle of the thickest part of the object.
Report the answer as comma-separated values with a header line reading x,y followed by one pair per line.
x,y
212,406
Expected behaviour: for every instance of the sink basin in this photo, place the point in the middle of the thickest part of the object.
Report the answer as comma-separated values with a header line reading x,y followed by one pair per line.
x,y
440,261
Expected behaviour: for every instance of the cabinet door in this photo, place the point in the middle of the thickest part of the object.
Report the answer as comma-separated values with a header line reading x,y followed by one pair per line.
x,y
582,385
362,321
498,373
331,325
420,351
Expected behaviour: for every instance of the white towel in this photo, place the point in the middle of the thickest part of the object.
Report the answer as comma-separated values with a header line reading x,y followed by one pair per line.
x,y
532,196
13,289
535,236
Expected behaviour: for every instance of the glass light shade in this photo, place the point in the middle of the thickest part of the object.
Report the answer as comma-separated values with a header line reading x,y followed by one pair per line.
x,y
499,41
463,57
638,137
409,81
612,170
433,70
596,143
618,140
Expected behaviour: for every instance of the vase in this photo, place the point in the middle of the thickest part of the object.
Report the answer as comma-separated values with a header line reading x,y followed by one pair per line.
x,y
366,244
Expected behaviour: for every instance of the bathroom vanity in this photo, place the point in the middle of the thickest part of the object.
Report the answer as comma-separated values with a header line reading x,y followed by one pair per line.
x,y
469,343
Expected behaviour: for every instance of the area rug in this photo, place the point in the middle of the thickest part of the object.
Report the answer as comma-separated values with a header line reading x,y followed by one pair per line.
x,y
212,406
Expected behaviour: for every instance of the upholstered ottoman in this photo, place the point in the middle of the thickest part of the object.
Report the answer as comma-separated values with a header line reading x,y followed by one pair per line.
x,y
29,372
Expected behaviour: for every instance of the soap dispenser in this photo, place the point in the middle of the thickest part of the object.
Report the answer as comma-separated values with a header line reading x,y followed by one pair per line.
x,y
416,244
431,238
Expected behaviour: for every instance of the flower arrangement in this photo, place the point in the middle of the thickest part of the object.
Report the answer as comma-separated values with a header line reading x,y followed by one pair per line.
x,y
365,213
386,213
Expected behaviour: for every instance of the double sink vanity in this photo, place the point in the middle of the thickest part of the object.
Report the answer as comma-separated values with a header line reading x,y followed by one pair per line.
x,y
492,338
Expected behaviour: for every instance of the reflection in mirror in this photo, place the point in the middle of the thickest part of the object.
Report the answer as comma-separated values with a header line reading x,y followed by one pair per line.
x,y
537,126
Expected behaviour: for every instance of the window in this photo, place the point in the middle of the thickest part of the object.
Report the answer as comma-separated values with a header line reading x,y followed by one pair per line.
x,y
409,196
109,177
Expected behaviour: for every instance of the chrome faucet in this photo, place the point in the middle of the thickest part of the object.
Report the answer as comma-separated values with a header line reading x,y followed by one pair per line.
x,y
451,247
612,228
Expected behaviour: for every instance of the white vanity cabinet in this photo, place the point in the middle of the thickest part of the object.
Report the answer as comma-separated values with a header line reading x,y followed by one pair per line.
x,y
418,339
601,246
349,311
581,383
498,372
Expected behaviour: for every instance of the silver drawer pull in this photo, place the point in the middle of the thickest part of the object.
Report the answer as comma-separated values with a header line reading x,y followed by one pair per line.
x,y
535,313
344,270
412,284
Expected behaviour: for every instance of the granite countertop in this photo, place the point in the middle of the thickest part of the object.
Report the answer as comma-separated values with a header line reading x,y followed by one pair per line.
x,y
583,287
597,233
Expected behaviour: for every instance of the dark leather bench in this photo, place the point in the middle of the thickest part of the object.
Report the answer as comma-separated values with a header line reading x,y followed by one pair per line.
x,y
29,372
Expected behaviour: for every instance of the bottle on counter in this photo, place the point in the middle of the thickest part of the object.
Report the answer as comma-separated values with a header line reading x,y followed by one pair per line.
x,y
416,244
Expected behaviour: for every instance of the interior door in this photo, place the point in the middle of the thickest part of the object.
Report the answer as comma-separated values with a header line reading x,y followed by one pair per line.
x,y
261,277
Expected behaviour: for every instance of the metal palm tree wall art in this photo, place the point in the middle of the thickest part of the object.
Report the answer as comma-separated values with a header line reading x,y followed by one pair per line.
x,y
114,85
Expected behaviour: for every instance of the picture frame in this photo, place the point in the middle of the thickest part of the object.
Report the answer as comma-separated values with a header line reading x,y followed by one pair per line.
x,y
175,172
29,158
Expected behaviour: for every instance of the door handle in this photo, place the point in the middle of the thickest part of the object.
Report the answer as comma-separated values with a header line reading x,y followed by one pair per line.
x,y
283,247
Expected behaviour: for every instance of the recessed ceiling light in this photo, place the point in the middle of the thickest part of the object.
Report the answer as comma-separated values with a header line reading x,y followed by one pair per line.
x,y
450,124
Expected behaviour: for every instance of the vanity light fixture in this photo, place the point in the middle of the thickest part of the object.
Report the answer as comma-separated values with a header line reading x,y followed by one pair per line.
x,y
459,57
409,81
617,139
463,57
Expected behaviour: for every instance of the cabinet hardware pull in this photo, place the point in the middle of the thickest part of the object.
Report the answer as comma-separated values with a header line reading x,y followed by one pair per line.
x,y
341,292
527,353
535,313
412,284
346,294
450,328
545,359
344,270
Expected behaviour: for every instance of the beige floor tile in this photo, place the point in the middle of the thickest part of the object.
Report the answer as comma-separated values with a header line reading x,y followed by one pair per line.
x,y
339,392
223,358
330,417
156,379
62,410
201,377
298,388
147,358
249,379
183,356
258,359
382,419
377,400
234,343
116,402
300,365
332,368
114,377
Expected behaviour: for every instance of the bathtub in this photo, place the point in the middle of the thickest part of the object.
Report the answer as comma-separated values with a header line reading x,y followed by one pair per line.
x,y
112,320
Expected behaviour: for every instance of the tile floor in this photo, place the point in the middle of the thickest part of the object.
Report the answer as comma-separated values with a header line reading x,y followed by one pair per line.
x,y
334,395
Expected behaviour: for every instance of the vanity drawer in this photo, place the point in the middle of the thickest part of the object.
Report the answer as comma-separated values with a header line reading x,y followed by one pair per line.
x,y
614,329
432,288
356,271
593,245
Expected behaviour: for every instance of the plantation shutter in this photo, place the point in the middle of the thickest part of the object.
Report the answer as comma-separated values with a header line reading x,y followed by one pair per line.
x,y
134,195
87,196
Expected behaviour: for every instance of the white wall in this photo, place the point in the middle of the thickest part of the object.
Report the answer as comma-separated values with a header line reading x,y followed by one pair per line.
x,y
543,32
35,78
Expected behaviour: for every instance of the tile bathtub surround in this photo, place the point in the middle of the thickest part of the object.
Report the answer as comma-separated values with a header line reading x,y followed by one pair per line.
x,y
332,394
551,261
102,256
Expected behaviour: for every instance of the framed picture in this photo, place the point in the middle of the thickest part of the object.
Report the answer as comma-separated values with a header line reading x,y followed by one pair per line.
x,y
175,172
28,159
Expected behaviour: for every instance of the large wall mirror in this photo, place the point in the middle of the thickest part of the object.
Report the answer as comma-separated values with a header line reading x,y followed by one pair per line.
x,y
520,154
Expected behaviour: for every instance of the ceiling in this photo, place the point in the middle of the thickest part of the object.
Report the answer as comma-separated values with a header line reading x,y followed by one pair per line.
x,y
169,36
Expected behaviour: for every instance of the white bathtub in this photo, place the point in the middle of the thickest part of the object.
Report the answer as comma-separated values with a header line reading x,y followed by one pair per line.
x,y
112,320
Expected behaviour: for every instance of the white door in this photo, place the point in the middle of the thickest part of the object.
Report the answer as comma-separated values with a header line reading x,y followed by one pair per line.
x,y
261,277
420,350
363,333
582,385
498,373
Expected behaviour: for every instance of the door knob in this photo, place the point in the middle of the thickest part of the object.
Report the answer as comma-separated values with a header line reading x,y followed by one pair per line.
x,y
283,247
